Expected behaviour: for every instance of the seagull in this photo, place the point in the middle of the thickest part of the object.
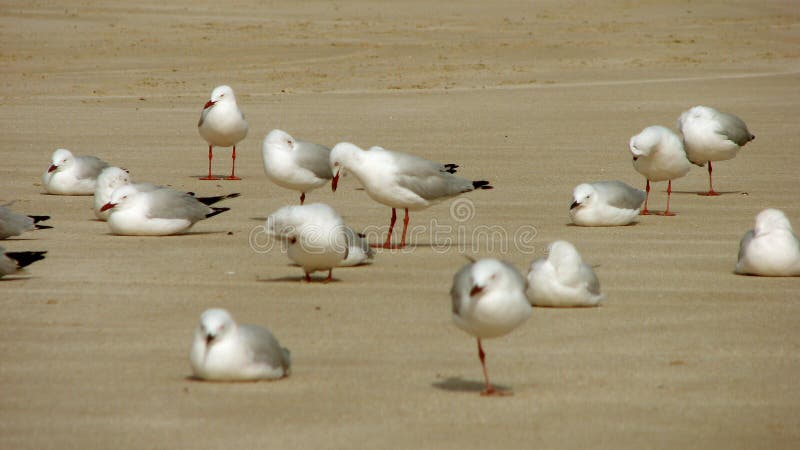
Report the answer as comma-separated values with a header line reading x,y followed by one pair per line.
x,y
12,263
222,124
711,135
159,212
605,203
489,301
314,234
359,251
225,351
297,165
770,249
562,279
14,224
72,175
399,180
113,177
658,155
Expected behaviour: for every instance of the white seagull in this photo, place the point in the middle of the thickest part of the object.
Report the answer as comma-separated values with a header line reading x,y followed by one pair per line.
x,y
222,124
12,263
293,164
562,279
399,180
605,203
314,234
489,301
711,135
68,174
159,212
14,224
770,249
225,351
658,155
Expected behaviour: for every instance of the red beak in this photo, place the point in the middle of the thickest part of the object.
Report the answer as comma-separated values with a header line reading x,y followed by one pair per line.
x,y
209,104
475,290
335,182
107,206
52,168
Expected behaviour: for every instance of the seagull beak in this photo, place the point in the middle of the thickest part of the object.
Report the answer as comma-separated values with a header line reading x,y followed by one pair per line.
x,y
209,339
635,158
475,290
52,168
107,206
209,104
335,181
574,205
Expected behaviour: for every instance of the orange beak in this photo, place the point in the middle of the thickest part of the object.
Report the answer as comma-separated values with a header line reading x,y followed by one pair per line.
x,y
52,168
335,181
107,206
209,104
475,290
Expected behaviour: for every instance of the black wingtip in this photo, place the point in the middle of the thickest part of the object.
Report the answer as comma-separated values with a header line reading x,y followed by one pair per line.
x,y
216,211
450,167
208,201
482,185
37,219
25,258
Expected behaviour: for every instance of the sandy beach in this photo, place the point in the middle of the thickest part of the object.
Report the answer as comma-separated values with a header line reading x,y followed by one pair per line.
x,y
536,97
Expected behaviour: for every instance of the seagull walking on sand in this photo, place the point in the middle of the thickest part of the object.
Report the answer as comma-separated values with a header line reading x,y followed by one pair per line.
x,y
72,175
314,234
658,155
297,165
399,180
14,224
12,263
770,249
562,279
222,124
605,204
711,135
489,301
159,212
225,351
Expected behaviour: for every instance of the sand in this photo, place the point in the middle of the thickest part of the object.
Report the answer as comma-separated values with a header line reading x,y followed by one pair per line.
x,y
535,96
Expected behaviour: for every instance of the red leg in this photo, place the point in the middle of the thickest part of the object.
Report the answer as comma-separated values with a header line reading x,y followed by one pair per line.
x,y
210,157
388,243
330,276
308,277
233,166
711,192
645,211
669,191
405,227
302,197
490,390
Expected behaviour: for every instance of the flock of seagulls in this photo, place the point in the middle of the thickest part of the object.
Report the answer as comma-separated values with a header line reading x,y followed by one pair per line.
x,y
490,298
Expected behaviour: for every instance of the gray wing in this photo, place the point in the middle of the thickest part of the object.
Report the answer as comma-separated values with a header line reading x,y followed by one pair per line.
x,y
593,284
436,185
89,166
460,285
744,243
733,128
315,158
265,347
620,195
13,224
168,203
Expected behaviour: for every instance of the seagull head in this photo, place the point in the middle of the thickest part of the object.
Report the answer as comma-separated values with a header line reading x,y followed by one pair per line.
x,y
279,140
582,195
121,196
113,177
61,158
563,254
771,219
220,93
486,275
342,154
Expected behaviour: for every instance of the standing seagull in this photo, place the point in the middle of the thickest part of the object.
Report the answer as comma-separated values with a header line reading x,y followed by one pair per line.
x,y
605,204
562,279
711,135
489,301
658,155
225,351
14,224
400,180
770,249
158,212
315,235
222,124
297,165
12,262
72,175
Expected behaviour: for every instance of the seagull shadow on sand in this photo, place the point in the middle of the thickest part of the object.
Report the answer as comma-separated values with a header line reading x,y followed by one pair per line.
x,y
299,279
458,384
192,233
704,192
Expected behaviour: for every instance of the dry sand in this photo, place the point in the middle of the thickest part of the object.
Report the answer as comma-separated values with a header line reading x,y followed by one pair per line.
x,y
534,96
